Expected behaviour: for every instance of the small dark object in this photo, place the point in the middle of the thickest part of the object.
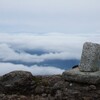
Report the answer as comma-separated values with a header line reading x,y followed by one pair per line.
x,y
75,66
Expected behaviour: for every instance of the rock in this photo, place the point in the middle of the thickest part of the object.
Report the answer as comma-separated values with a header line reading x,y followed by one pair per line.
x,y
59,85
44,95
87,98
2,96
65,98
98,92
50,97
23,97
37,97
43,87
58,95
88,70
75,75
17,81
54,79
70,84
90,59
39,89
1,88
92,87
48,89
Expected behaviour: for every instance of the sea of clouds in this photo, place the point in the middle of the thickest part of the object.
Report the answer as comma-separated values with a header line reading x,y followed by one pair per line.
x,y
60,46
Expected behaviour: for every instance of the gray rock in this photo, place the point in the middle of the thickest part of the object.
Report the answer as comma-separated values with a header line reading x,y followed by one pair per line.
x,y
59,85
17,81
58,95
44,95
75,75
39,89
16,77
90,59
92,87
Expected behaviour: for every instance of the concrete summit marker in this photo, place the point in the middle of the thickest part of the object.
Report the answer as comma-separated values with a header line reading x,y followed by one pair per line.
x,y
89,67
90,59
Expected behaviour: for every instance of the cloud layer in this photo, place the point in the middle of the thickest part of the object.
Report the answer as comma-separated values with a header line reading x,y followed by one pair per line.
x,y
60,46
35,70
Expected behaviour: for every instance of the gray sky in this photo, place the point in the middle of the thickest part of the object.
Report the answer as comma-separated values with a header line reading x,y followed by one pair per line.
x,y
43,16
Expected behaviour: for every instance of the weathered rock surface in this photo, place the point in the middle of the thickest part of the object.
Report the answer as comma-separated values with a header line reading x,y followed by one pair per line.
x,y
16,81
20,85
82,77
90,59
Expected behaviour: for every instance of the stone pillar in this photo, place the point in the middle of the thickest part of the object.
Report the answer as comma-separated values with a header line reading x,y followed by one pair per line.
x,y
90,59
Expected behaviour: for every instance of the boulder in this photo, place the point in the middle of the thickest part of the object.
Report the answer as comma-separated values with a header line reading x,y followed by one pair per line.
x,y
90,59
17,81
75,75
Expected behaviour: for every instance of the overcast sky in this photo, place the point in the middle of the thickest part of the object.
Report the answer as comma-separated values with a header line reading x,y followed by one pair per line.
x,y
43,16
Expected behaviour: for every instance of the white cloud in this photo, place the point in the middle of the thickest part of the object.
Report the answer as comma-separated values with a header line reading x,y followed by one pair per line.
x,y
61,46
35,70
8,54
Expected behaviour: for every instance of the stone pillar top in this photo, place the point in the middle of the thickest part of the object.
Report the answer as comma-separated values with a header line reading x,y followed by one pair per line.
x,y
90,58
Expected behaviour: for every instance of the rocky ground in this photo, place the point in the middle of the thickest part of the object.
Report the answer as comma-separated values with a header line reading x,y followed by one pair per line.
x,y
21,85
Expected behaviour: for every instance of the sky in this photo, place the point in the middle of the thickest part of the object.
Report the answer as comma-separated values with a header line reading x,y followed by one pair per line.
x,y
43,16
58,27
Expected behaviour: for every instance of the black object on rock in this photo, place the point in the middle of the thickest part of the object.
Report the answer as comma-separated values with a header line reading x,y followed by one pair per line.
x,y
75,66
